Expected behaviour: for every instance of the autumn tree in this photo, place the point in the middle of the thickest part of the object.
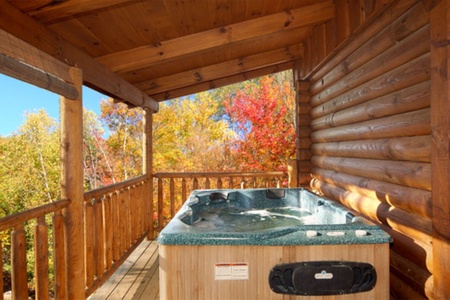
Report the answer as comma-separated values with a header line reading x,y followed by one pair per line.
x,y
97,163
125,137
30,164
190,136
263,117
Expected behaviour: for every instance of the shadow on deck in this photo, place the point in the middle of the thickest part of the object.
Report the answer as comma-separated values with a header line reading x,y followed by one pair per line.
x,y
137,277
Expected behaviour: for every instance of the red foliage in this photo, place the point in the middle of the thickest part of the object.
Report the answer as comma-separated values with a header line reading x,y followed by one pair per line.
x,y
266,131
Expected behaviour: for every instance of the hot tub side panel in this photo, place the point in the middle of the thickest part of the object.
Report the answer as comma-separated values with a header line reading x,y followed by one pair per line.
x,y
188,272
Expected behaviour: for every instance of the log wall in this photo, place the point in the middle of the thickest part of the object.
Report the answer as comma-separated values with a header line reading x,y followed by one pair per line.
x,y
370,126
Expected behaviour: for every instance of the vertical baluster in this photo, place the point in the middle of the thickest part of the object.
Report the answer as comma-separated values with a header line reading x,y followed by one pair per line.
x,y
127,218
207,183
99,246
19,263
144,207
41,258
115,226
59,261
137,214
253,184
122,221
132,213
183,190
267,180
108,230
172,198
230,183
243,183
278,182
90,241
160,204
195,184
219,182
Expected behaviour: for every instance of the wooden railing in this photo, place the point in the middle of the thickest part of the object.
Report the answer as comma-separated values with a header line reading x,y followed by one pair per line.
x,y
116,222
39,216
117,218
170,190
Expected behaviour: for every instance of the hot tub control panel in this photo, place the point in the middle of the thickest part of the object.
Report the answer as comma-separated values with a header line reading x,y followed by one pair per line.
x,y
322,278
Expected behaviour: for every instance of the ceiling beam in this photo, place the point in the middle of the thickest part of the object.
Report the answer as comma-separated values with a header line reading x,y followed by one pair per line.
x,y
225,69
145,56
220,82
95,75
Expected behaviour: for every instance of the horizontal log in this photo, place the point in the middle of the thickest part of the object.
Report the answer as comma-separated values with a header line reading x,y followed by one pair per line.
x,y
406,124
33,213
412,174
410,273
366,206
409,224
366,32
24,72
406,223
410,48
414,148
417,251
401,290
217,174
17,49
412,98
416,201
114,187
411,73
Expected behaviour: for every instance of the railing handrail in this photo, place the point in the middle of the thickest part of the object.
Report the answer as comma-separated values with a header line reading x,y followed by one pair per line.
x,y
33,213
113,187
217,174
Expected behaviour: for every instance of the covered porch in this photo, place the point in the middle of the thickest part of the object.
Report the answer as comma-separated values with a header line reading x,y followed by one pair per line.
x,y
372,110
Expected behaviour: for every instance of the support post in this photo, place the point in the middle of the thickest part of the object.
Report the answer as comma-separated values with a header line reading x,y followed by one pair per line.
x,y
440,158
303,142
71,112
148,170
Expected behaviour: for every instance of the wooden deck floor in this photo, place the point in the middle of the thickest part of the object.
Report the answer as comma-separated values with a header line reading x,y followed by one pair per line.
x,y
137,278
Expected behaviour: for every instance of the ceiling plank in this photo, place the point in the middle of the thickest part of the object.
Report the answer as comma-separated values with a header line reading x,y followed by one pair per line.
x,y
145,56
217,83
96,75
59,10
225,69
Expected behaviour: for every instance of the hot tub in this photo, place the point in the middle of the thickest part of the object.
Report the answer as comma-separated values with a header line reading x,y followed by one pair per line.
x,y
271,244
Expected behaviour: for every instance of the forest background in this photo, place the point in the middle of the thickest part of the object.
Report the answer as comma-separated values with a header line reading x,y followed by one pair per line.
x,y
245,127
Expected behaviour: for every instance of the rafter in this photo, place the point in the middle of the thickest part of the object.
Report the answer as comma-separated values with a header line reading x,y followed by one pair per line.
x,y
145,56
225,69
219,82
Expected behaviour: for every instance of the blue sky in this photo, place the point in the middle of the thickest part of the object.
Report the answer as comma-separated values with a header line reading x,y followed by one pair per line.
x,y
17,98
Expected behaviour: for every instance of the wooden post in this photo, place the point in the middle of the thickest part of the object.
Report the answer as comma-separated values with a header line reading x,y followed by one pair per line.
x,y
440,159
72,187
148,170
292,169
303,130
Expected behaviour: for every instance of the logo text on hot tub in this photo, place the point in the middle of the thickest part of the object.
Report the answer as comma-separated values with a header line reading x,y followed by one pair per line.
x,y
323,275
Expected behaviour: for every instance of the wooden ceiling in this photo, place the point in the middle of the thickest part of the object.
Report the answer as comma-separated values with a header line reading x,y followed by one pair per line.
x,y
171,48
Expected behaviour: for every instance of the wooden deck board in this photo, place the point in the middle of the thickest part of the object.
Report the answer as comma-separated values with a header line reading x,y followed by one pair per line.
x,y
137,278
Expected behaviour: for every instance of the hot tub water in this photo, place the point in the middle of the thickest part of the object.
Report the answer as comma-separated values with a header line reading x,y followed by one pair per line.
x,y
232,219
